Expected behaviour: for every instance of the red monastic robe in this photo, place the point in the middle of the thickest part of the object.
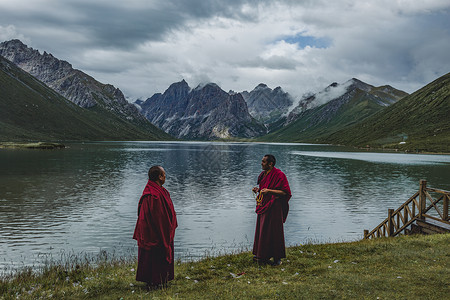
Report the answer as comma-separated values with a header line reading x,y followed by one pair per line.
x,y
155,232
272,213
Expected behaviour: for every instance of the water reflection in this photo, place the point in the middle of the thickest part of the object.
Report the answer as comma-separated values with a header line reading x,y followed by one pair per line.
x,y
84,198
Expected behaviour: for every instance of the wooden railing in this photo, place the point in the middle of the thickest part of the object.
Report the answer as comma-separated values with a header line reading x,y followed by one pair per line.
x,y
414,209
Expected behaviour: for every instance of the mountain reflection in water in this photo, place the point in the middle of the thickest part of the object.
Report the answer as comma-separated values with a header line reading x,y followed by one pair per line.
x,y
84,198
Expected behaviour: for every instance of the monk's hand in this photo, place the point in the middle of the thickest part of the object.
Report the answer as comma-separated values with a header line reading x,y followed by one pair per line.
x,y
264,191
255,189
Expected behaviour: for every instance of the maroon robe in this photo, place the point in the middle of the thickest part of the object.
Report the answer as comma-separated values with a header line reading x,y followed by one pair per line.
x,y
155,232
272,213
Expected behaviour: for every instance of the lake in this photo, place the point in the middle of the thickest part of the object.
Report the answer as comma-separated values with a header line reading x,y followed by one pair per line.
x,y
83,199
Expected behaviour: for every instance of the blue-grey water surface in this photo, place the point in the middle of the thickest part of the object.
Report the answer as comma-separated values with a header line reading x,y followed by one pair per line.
x,y
83,199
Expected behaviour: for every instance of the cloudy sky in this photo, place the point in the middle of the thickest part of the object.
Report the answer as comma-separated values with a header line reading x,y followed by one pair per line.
x,y
142,46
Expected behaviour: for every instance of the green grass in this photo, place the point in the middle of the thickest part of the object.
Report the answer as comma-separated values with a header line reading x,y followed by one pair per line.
x,y
420,119
31,111
407,267
316,123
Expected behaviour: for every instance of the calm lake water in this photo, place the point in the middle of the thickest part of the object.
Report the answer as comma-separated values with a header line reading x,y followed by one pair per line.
x,y
84,199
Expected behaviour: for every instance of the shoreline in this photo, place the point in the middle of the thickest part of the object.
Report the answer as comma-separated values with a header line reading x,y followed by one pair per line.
x,y
60,145
31,145
384,267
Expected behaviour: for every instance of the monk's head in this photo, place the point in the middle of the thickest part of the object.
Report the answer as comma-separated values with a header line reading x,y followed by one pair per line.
x,y
268,162
157,174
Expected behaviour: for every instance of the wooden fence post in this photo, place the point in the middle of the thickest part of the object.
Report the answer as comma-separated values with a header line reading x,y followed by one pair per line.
x,y
422,198
390,222
445,208
366,233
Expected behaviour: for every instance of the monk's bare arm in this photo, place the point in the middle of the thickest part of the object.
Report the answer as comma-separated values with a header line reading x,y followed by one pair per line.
x,y
273,192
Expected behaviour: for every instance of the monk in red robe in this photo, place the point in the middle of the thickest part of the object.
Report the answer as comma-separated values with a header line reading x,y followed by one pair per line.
x,y
272,209
155,231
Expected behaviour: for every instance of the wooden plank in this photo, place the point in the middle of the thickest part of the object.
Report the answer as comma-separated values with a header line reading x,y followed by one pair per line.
x,y
378,227
422,198
396,223
438,191
445,208
414,207
405,214
410,214
390,222
411,199
430,228
398,220
433,203
410,222
444,223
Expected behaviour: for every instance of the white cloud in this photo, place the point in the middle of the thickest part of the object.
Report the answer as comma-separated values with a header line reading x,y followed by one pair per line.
x,y
9,32
331,92
144,46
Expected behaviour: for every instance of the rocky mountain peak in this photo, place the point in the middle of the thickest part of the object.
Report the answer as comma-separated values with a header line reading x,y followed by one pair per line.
x,y
76,86
336,95
267,105
206,112
178,89
334,84
261,86
355,83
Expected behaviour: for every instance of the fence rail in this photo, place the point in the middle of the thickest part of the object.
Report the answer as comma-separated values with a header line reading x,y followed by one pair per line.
x,y
415,208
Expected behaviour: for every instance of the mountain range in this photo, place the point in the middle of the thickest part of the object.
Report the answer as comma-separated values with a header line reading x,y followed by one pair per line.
x,y
343,105
419,122
267,105
206,112
34,109
351,113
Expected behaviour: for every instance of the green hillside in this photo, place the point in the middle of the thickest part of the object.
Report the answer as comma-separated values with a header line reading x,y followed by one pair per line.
x,y
314,125
29,110
421,120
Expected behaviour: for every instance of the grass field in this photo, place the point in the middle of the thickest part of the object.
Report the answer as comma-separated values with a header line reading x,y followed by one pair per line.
x,y
407,267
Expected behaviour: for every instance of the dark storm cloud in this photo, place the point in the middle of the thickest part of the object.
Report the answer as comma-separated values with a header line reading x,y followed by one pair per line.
x,y
123,25
143,46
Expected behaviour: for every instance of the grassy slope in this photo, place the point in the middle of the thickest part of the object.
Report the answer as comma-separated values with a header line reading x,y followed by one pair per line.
x,y
422,117
29,110
315,124
407,267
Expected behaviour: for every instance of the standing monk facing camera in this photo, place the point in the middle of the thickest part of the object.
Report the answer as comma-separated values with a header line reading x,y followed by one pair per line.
x,y
155,231
272,208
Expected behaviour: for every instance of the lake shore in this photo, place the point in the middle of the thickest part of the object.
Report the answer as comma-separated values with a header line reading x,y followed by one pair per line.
x,y
31,145
406,267
52,145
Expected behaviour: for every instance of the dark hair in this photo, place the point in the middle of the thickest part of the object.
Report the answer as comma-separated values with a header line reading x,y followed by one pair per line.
x,y
271,159
154,172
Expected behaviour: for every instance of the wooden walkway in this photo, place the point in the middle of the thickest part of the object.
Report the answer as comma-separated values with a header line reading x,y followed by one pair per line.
x,y
425,212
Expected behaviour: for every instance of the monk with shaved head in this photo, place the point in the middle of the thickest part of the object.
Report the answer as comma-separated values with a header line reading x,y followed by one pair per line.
x,y
272,209
155,232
